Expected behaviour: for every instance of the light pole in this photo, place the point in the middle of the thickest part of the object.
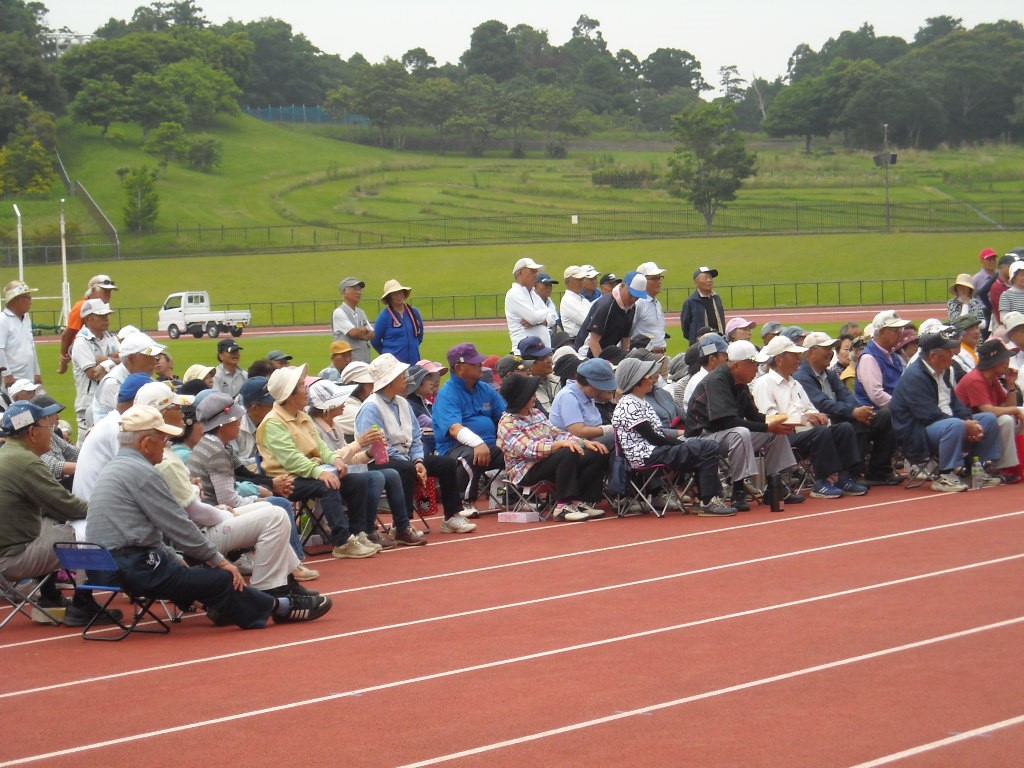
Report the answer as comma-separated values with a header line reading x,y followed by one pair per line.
x,y
885,152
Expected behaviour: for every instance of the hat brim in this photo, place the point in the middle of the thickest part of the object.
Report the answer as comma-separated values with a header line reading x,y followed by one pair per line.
x,y
234,413
393,374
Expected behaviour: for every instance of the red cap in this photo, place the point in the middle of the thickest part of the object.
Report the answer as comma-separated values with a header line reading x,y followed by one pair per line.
x,y
988,253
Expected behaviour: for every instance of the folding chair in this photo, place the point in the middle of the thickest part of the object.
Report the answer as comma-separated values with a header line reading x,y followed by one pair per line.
x,y
538,497
646,481
81,555
312,523
25,602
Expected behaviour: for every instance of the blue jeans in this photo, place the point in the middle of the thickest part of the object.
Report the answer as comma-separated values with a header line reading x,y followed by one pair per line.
x,y
946,437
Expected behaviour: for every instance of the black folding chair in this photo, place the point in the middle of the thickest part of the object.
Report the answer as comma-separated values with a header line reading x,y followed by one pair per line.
x,y
25,601
75,556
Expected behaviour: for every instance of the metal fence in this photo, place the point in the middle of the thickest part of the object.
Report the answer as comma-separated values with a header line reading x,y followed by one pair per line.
x,y
899,291
300,113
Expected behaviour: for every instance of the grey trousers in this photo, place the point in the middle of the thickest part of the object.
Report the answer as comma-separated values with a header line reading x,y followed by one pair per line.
x,y
739,445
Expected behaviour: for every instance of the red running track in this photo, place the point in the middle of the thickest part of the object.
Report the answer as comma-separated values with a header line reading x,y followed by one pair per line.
x,y
838,633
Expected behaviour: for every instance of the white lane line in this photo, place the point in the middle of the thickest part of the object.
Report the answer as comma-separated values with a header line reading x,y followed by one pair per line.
x,y
492,609
980,731
719,692
541,529
569,649
482,569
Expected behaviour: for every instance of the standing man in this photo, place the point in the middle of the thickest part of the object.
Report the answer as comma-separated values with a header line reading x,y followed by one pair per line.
x,y
526,313
94,353
611,317
591,291
988,259
574,306
138,355
543,288
350,322
100,287
229,377
18,359
649,315
703,308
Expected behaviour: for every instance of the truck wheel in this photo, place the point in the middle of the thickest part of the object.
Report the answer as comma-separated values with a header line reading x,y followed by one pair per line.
x,y
212,330
173,331
197,331
236,332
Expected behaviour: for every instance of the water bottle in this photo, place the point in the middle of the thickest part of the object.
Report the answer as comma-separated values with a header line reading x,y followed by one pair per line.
x,y
776,493
380,450
977,474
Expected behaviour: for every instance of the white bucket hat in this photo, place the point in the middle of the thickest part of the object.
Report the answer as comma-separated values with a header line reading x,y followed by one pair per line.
x,y
386,369
283,382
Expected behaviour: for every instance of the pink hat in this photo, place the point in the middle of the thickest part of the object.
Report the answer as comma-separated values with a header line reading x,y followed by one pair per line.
x,y
738,322
431,367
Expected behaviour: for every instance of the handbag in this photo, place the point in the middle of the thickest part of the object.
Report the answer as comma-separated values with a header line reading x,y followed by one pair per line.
x,y
618,472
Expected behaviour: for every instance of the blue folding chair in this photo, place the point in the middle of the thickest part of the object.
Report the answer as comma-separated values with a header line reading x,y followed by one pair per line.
x,y
75,556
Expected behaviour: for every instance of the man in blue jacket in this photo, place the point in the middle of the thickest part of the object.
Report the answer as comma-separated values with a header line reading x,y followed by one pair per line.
x,y
831,396
929,418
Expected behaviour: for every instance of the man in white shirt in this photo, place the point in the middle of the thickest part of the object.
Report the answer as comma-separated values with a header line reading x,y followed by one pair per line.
x,y
18,359
525,312
350,323
832,449
94,353
544,288
574,306
138,355
649,316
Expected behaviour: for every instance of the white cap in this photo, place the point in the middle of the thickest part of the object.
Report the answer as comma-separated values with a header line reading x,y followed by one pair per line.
x,y
818,339
589,270
139,343
95,307
650,269
525,263
574,272
888,318
777,346
22,385
142,418
1016,267
1011,320
741,350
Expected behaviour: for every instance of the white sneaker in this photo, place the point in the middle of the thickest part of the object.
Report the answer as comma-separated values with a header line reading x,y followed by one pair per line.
x,y
353,548
457,524
590,511
948,482
469,510
363,539
569,514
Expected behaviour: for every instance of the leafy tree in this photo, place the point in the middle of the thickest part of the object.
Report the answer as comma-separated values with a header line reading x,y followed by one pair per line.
x,y
99,102
418,61
601,88
435,101
757,98
204,90
801,109
936,27
156,17
477,116
656,110
669,68
492,52
537,57
24,70
731,83
14,111
587,28
379,92
629,66
22,18
556,112
29,157
711,161
166,141
142,203
152,101
203,153
909,107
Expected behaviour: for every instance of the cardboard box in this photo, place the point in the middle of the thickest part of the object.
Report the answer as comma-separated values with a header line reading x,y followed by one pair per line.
x,y
519,517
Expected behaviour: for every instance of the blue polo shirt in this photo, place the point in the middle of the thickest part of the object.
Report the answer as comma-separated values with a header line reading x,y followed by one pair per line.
x,y
479,410
572,406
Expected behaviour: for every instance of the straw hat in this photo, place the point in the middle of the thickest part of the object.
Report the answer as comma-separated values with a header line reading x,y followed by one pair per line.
x,y
963,280
393,286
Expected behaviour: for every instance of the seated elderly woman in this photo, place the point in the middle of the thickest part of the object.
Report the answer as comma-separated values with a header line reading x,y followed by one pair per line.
x,y
640,436
538,361
536,450
291,445
421,385
660,397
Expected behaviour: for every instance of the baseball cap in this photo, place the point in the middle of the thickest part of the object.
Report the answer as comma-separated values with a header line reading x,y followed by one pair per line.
x,y
340,348
103,281
228,345
254,391
126,331
637,284
741,350
777,346
710,344
95,307
1009,258
431,367
945,338
464,353
889,318
819,339
547,279
650,269
130,386
589,270
351,282
25,413
532,348
22,385
574,272
598,373
525,263
704,271
738,322
159,395
772,326
140,344
277,354
197,371
610,278
988,253
142,418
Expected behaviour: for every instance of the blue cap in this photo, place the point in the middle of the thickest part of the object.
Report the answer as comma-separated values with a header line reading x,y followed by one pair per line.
x,y
544,277
23,413
255,392
532,348
710,344
131,386
636,283
598,373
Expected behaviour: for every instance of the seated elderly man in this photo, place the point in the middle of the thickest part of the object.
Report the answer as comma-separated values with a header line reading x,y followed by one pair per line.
x,y
36,513
879,367
133,512
829,395
575,407
929,418
983,391
723,409
711,349
538,361
341,356
831,449
62,457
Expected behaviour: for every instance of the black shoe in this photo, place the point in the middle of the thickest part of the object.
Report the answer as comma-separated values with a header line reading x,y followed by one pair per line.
x,y
887,480
305,608
292,588
79,616
739,501
795,498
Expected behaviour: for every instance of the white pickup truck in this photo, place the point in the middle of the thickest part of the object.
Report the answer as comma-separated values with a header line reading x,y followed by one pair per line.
x,y
189,312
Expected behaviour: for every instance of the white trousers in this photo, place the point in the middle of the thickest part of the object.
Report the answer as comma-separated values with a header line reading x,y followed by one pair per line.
x,y
268,529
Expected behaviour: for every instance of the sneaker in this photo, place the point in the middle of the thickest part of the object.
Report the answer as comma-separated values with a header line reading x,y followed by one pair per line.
x,y
78,616
891,479
567,513
354,548
990,480
302,573
1009,478
666,501
457,524
407,538
739,501
377,539
948,482
591,512
715,508
305,608
244,564
291,588
851,487
469,509
823,489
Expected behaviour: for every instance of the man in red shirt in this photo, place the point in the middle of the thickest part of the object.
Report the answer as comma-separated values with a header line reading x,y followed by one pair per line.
x,y
100,287
992,387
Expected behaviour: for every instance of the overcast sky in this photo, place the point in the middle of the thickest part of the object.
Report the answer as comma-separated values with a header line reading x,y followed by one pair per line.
x,y
756,37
